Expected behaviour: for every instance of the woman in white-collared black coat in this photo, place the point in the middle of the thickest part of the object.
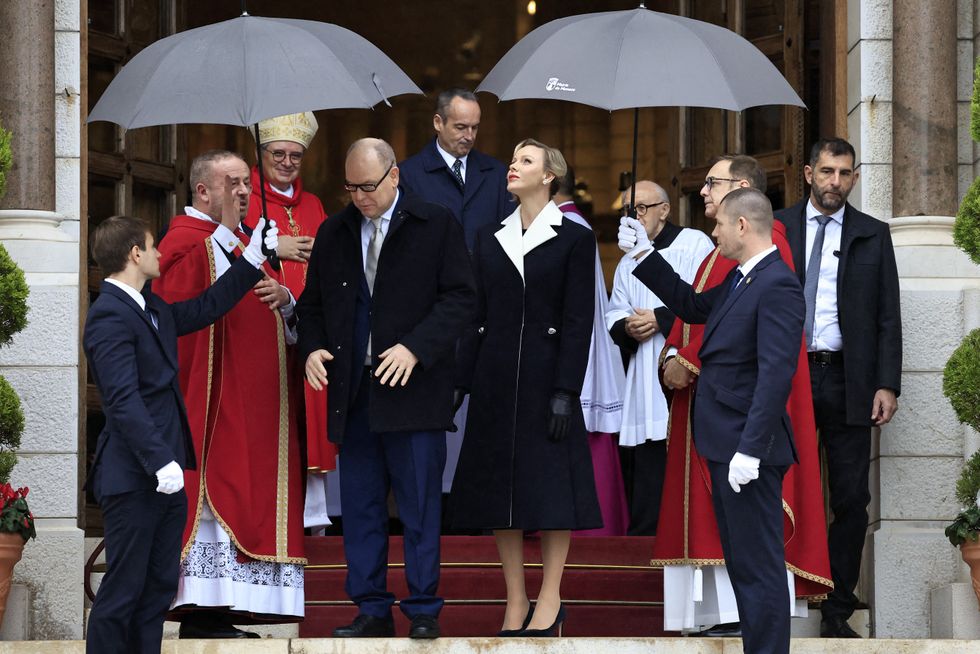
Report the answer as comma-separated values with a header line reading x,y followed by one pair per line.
x,y
525,462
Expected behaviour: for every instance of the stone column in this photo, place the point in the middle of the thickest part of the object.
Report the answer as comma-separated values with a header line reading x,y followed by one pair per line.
x,y
924,109
26,101
39,219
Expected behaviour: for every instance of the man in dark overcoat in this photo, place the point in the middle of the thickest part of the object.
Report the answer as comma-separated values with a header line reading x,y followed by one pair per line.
x,y
388,292
448,171
846,263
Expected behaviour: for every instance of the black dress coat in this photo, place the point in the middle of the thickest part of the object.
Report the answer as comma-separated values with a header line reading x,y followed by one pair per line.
x,y
868,304
531,338
423,298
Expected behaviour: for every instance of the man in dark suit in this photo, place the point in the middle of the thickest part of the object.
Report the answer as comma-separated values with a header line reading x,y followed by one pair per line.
x,y
448,171
846,263
753,326
383,321
137,475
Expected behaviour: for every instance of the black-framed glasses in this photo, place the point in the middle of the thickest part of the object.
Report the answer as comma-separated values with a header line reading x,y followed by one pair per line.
x,y
641,209
368,188
710,181
279,156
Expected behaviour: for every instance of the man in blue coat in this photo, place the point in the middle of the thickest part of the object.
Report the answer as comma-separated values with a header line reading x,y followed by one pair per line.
x,y
448,171
753,329
138,473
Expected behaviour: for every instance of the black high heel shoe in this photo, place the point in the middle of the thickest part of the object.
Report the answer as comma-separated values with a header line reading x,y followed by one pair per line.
x,y
510,633
553,630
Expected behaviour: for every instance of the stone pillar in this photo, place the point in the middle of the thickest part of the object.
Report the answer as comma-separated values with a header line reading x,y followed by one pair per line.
x,y
924,107
27,103
39,219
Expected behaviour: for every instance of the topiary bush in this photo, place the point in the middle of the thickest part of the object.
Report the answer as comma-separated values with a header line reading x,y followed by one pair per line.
x,y
13,298
966,229
11,429
961,380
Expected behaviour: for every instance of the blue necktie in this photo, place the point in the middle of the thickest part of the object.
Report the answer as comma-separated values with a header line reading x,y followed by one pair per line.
x,y
736,279
458,172
813,277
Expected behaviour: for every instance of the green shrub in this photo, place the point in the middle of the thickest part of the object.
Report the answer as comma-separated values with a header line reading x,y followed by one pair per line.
x,y
961,380
966,229
6,158
13,298
968,485
11,429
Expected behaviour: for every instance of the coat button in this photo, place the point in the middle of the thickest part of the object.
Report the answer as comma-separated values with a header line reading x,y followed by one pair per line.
x,y
481,330
343,283
337,411
552,331
338,348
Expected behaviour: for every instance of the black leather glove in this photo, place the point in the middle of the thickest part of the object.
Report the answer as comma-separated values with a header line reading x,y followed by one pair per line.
x,y
459,395
560,409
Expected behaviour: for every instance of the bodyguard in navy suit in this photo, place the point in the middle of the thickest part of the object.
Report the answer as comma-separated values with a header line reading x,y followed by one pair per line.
x,y
753,328
389,290
137,476
475,188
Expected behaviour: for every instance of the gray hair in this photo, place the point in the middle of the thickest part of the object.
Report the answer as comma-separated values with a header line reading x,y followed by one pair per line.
x,y
204,162
445,99
381,149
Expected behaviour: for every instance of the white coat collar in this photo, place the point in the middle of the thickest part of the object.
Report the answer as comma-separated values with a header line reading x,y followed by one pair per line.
x,y
517,244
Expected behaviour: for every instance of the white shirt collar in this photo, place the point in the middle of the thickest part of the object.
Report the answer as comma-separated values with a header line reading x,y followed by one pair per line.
x,y
451,159
130,291
747,267
812,212
200,215
288,192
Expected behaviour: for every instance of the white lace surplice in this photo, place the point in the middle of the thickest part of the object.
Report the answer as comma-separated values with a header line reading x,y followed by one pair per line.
x,y
211,575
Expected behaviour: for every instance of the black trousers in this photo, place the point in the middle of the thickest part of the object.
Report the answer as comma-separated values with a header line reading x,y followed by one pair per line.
x,y
143,531
750,525
847,449
646,484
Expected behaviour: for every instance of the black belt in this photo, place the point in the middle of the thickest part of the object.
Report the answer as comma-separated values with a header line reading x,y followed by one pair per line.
x,y
826,357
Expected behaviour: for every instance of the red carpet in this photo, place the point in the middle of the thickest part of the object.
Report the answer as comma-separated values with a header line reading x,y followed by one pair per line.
x,y
609,587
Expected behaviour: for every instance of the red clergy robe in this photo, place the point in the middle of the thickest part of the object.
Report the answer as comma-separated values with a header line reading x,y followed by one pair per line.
x,y
233,376
299,215
688,532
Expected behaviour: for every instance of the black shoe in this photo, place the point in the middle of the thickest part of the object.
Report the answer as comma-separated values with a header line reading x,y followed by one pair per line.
x,y
553,630
723,630
424,626
195,630
367,626
835,626
510,633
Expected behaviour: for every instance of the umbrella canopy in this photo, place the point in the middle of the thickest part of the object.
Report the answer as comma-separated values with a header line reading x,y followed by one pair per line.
x,y
639,58
247,69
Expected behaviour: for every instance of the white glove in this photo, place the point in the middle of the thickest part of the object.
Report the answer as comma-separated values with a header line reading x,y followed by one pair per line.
x,y
742,469
254,250
170,478
633,239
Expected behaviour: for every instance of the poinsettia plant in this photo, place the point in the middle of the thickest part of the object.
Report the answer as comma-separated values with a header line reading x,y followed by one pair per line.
x,y
15,516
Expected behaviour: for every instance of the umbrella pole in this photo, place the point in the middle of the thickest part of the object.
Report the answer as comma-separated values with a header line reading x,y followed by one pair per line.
x,y
636,130
270,254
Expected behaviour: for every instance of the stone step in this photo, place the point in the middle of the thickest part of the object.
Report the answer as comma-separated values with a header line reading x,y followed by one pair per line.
x,y
512,646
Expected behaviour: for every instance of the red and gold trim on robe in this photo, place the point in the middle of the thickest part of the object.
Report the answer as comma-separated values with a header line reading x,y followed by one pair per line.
x,y
234,378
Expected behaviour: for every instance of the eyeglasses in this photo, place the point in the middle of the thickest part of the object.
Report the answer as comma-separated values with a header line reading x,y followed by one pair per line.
x,y
710,181
279,156
641,209
368,188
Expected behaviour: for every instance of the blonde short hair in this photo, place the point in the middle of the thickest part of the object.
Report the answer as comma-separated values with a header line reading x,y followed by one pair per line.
x,y
554,162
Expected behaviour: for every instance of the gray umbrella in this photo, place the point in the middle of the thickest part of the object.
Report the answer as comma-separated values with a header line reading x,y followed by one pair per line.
x,y
247,69
244,70
638,58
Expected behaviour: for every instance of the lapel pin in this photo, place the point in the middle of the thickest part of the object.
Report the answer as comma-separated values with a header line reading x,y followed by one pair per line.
x,y
748,280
